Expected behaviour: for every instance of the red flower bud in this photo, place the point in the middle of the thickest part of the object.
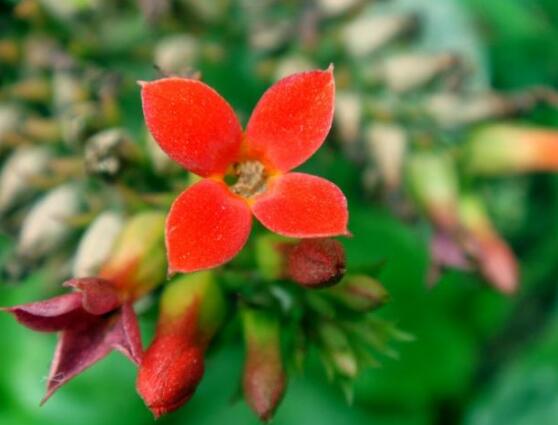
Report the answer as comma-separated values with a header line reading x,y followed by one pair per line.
x,y
316,263
264,377
192,309
495,259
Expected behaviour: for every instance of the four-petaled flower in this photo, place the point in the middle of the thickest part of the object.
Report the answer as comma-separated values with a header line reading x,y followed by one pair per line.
x,y
210,222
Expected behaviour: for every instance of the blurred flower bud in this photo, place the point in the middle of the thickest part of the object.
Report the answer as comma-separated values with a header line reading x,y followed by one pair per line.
x,y
191,311
33,89
368,33
316,263
433,182
410,71
264,376
10,117
41,129
387,145
507,149
177,54
23,164
496,261
9,51
445,252
337,349
137,262
107,151
96,244
266,35
348,118
76,122
337,7
40,52
271,250
359,293
45,229
67,90
450,110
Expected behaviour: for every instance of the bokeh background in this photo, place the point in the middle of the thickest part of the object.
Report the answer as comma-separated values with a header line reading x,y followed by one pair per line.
x,y
478,358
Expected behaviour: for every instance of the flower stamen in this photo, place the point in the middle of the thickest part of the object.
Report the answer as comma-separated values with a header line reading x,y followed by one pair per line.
x,y
250,179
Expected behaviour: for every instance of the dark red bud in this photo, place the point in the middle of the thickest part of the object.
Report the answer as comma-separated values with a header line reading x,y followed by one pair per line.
x,y
316,263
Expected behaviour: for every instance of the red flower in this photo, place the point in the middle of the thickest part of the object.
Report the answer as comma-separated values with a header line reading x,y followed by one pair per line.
x,y
210,222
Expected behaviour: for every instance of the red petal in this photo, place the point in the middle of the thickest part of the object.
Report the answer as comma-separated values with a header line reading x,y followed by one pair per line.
x,y
50,315
99,296
292,119
206,227
192,123
302,206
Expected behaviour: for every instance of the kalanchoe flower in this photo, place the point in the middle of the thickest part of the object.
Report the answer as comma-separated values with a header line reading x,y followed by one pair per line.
x,y
264,379
192,310
98,317
209,222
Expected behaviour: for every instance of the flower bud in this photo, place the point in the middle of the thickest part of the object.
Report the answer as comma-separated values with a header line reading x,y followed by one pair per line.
x,y
412,70
496,261
137,262
23,164
96,244
31,90
191,311
338,350
264,376
177,54
107,151
507,149
386,145
316,263
348,118
359,293
433,181
361,41
45,228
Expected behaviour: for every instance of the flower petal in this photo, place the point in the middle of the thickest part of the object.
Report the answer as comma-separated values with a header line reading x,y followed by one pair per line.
x,y
302,206
89,341
192,123
49,315
292,119
206,227
98,295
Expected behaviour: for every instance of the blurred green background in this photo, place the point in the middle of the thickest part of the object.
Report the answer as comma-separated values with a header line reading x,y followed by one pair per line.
x,y
478,359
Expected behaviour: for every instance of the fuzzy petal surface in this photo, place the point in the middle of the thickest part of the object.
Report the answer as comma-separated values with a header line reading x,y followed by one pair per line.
x,y
89,341
292,119
302,206
49,315
98,295
206,227
192,123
